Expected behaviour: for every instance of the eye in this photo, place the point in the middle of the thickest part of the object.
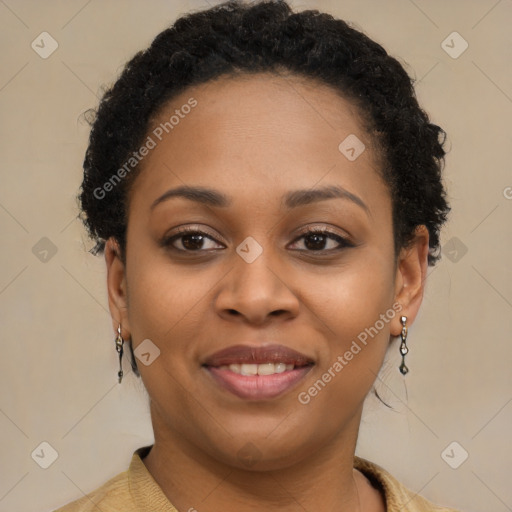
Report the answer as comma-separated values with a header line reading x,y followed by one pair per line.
x,y
191,239
316,239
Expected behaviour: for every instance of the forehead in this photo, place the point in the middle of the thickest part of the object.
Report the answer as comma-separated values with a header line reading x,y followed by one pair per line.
x,y
259,132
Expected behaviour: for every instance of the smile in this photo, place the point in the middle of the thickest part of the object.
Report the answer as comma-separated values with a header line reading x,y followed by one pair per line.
x,y
258,369
257,373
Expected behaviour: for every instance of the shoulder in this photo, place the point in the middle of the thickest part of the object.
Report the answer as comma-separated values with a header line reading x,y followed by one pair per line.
x,y
112,496
133,490
397,496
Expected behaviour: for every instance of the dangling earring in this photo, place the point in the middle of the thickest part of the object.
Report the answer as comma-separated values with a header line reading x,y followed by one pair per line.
x,y
119,348
403,345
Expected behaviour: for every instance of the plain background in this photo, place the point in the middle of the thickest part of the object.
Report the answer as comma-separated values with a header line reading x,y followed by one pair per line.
x,y
58,362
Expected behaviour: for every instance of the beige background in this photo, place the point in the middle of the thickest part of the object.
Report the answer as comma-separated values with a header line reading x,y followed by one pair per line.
x,y
59,365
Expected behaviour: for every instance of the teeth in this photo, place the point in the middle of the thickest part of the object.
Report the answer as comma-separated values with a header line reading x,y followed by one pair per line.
x,y
258,369
266,369
249,369
281,367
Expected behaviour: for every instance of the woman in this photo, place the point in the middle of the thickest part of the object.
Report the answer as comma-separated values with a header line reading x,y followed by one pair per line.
x,y
267,193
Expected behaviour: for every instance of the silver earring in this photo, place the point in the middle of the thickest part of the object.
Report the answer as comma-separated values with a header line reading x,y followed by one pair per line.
x,y
403,345
119,348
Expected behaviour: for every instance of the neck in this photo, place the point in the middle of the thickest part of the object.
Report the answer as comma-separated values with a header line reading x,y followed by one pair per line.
x,y
323,480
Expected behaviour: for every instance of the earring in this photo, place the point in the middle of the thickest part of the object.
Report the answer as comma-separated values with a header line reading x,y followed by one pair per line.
x,y
403,345
119,348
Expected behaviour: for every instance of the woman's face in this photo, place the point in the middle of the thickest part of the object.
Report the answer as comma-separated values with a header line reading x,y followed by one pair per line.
x,y
196,303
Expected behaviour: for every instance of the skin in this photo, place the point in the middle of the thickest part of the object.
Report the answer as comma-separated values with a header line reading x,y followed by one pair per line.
x,y
255,139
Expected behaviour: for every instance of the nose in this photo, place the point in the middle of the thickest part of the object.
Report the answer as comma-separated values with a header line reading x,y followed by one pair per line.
x,y
257,291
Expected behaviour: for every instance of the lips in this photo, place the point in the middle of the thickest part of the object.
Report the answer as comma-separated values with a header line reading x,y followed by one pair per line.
x,y
257,373
244,354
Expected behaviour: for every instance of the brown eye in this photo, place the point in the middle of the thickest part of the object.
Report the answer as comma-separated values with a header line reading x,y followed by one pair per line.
x,y
315,240
191,239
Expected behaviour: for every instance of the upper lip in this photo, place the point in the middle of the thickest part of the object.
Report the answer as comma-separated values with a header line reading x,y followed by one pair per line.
x,y
247,354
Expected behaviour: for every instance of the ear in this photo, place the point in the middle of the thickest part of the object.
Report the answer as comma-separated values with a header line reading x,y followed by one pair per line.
x,y
117,289
410,278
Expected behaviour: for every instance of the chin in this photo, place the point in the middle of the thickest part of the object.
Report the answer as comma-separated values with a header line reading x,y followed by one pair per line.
x,y
269,448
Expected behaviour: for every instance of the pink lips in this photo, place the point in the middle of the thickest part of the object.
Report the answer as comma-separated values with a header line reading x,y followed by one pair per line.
x,y
257,387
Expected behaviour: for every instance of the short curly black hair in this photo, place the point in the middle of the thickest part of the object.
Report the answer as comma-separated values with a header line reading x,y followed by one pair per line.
x,y
236,38
267,36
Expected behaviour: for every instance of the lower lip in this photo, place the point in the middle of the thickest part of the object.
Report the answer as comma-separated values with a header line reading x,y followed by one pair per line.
x,y
258,387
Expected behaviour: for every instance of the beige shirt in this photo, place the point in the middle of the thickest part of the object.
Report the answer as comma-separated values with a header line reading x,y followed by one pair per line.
x,y
135,490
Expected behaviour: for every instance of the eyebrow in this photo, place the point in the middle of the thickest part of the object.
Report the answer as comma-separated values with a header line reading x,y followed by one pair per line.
x,y
290,200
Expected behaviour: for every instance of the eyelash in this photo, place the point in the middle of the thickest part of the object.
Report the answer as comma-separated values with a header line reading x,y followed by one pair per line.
x,y
187,230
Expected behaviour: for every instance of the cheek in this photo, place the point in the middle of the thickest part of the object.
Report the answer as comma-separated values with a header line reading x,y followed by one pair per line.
x,y
165,301
166,307
354,312
352,297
